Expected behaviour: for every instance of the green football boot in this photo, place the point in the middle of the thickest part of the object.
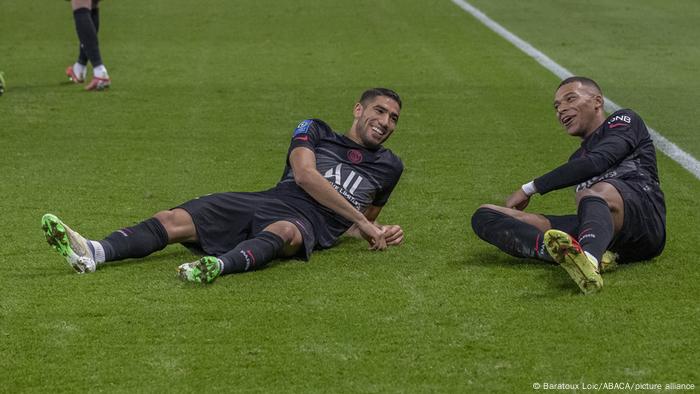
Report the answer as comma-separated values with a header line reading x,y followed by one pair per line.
x,y
204,270
568,253
71,245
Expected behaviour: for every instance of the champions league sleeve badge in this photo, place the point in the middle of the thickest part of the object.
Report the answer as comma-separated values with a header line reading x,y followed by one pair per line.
x,y
303,127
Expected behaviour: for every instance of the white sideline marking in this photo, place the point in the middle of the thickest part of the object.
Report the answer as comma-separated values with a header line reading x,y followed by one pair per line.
x,y
662,143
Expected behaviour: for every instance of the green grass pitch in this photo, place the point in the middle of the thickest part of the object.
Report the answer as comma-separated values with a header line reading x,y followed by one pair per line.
x,y
204,98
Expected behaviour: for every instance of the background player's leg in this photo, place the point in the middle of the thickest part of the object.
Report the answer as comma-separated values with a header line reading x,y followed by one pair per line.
x,y
78,70
83,14
95,14
80,67
515,232
86,30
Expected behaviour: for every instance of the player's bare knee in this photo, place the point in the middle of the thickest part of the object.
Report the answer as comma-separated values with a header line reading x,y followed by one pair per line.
x,y
604,191
178,224
498,208
289,233
585,193
75,4
480,217
165,218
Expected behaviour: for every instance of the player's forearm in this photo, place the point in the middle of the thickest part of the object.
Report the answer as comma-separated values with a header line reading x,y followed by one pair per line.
x,y
569,174
354,232
371,213
321,190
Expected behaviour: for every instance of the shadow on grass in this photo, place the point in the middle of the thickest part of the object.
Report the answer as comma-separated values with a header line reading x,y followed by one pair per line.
x,y
171,258
490,259
555,280
548,279
43,86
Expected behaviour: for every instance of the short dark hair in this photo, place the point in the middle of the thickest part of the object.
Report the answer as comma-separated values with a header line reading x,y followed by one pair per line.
x,y
369,94
584,81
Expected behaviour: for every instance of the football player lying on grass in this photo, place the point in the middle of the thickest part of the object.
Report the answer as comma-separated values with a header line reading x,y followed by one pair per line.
x,y
332,184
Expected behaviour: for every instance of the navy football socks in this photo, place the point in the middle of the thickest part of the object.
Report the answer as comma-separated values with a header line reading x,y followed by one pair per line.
x,y
597,228
87,34
137,241
509,234
252,254
95,16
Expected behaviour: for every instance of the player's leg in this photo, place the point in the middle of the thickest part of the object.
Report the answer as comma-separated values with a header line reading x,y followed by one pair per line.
x,y
87,34
643,232
95,16
600,214
279,239
149,236
76,72
137,241
178,224
517,233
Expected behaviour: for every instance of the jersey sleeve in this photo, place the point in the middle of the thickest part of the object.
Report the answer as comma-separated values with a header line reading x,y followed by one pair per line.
x,y
306,134
382,196
620,137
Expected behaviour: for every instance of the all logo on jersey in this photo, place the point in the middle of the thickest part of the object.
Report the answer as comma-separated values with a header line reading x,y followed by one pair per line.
x,y
355,156
335,174
346,184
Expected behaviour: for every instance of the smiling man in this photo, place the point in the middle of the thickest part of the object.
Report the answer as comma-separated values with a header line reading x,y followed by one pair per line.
x,y
621,215
332,184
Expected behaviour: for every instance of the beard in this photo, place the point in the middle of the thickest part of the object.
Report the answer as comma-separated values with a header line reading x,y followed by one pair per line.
x,y
366,134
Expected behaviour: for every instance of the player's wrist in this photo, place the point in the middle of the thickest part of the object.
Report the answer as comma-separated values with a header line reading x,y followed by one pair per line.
x,y
529,188
362,222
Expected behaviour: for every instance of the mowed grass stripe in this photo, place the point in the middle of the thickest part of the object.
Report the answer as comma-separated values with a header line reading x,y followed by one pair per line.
x,y
662,143
610,41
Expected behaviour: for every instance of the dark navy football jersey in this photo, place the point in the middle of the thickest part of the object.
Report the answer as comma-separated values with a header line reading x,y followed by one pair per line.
x,y
362,176
620,148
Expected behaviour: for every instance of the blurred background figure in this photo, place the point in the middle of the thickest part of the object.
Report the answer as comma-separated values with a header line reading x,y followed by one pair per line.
x,y
87,23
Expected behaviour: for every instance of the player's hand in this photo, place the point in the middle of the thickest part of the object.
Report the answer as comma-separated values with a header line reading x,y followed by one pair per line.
x,y
373,234
393,234
518,200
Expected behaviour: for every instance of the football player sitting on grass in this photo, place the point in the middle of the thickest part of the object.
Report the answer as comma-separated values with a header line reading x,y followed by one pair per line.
x,y
621,213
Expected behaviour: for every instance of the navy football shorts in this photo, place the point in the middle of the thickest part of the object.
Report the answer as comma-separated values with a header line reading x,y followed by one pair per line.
x,y
223,220
643,233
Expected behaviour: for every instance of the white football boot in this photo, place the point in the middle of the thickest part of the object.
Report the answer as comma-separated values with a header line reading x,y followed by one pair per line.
x,y
71,245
